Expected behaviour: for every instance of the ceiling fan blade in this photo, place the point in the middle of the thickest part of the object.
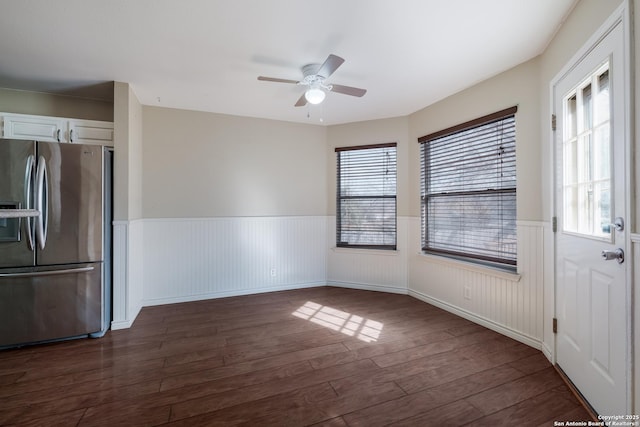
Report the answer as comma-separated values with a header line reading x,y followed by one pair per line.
x,y
302,101
330,65
273,79
348,90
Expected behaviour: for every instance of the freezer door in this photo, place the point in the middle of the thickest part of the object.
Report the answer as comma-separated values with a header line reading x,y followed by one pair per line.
x,y
41,304
70,192
16,181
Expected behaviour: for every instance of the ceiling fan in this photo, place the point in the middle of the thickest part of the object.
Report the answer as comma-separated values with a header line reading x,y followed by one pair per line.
x,y
314,78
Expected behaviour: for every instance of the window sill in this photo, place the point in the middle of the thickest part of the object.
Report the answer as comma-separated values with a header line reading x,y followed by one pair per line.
x,y
385,252
470,266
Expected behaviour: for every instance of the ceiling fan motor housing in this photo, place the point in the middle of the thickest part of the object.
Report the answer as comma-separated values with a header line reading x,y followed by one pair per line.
x,y
310,70
311,78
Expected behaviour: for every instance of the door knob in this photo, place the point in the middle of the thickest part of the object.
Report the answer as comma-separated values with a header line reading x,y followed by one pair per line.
x,y
617,254
618,223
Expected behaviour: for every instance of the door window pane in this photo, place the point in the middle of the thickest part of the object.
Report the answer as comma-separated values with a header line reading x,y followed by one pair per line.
x,y
602,100
587,157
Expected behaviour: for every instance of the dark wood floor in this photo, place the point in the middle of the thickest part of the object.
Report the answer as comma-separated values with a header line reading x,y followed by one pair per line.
x,y
321,356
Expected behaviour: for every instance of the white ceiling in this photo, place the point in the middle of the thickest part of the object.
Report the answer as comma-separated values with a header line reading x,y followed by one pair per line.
x,y
206,54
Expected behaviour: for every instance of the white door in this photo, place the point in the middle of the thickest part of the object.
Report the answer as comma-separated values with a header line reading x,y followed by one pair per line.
x,y
591,292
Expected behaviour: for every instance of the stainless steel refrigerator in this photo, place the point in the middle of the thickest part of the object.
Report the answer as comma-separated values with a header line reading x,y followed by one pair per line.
x,y
55,222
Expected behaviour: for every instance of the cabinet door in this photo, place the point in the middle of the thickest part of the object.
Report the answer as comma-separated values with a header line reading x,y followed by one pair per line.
x,y
22,126
90,132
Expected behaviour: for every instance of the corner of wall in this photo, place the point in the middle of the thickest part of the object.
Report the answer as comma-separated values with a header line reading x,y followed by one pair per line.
x,y
128,229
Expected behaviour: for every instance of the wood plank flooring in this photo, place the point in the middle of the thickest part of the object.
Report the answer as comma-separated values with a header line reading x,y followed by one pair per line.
x,y
321,356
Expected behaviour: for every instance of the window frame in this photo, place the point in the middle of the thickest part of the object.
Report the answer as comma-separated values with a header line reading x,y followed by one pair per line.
x,y
508,262
340,197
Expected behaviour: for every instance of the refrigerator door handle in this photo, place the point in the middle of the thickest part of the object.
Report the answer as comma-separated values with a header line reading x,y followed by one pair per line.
x,y
41,202
28,197
48,272
18,213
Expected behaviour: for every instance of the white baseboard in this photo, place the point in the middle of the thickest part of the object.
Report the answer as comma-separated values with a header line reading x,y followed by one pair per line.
x,y
548,353
232,293
368,287
126,324
123,324
532,342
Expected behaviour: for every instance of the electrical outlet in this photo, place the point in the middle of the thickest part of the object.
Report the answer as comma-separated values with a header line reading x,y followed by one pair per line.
x,y
466,292
273,272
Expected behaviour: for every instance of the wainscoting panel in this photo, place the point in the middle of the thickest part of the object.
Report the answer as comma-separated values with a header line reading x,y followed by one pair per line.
x,y
507,302
635,258
120,291
191,259
136,267
549,294
128,272
368,268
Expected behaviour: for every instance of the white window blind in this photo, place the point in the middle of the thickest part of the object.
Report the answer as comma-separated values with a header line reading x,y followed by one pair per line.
x,y
366,196
468,176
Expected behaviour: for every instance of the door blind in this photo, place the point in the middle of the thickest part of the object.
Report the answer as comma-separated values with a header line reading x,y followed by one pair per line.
x,y
366,196
468,177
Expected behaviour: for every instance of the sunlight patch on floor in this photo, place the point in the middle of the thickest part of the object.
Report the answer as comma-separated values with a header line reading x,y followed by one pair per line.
x,y
366,330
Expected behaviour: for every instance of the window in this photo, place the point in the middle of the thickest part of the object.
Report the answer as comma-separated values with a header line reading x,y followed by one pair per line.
x,y
468,176
366,196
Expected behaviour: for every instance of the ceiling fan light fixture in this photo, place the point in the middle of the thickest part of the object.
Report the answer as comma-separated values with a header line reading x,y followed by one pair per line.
x,y
314,95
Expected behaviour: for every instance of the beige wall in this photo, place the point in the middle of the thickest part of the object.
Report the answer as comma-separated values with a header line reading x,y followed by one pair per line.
x,y
47,104
199,164
127,172
370,132
135,156
121,151
517,86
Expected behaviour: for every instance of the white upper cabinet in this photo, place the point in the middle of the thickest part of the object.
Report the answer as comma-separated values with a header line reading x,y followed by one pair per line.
x,y
41,128
56,129
90,132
